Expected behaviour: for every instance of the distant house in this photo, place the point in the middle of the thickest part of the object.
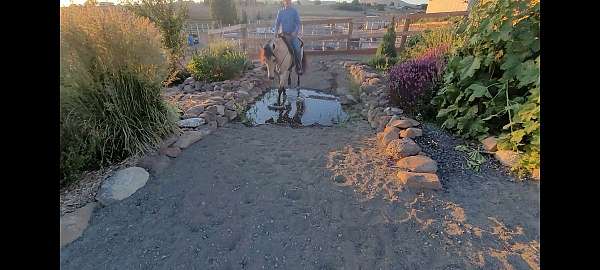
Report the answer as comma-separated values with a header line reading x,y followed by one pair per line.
x,y
435,6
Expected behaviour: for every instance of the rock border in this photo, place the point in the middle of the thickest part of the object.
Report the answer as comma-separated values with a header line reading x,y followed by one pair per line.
x,y
507,158
395,134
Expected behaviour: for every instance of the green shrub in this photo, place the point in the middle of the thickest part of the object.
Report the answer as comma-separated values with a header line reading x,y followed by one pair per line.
x,y
430,39
111,68
382,63
217,62
387,47
491,85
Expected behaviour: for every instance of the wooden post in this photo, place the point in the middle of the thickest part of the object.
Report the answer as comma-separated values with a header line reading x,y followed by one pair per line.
x,y
349,44
244,30
404,29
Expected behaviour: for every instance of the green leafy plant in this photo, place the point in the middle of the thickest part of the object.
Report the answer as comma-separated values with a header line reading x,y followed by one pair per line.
x,y
219,61
431,38
491,84
474,158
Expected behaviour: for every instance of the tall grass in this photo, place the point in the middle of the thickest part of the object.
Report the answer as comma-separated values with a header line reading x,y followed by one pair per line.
x,y
112,65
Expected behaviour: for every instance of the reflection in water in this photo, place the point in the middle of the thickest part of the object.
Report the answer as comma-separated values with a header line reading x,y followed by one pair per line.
x,y
303,107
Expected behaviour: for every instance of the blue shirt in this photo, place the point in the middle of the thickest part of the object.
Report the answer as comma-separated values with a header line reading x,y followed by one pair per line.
x,y
288,19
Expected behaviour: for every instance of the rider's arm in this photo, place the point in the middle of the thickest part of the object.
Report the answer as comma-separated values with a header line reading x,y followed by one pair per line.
x,y
298,23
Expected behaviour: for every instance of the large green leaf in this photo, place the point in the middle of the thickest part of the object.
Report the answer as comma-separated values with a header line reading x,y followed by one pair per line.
x,y
478,91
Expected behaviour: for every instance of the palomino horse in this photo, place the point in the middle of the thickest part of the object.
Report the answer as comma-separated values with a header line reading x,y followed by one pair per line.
x,y
279,60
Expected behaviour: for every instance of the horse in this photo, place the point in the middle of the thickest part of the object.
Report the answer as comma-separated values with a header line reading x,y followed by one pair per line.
x,y
279,60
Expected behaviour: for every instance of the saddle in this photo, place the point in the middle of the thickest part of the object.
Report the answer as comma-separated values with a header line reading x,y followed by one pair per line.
x,y
297,58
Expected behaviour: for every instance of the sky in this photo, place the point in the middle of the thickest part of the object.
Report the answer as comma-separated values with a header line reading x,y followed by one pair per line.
x,y
68,2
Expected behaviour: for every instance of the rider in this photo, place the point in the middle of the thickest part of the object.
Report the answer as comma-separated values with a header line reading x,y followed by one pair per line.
x,y
289,21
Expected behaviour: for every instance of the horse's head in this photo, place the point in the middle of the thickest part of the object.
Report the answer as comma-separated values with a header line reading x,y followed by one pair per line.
x,y
267,56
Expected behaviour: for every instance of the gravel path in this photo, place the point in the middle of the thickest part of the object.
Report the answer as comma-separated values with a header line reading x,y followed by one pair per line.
x,y
274,197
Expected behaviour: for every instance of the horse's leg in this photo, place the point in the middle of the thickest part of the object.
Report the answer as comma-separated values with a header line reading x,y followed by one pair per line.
x,y
278,96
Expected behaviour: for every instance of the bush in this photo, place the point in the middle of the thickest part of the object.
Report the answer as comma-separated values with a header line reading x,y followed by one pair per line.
x,y
218,62
412,82
491,85
169,16
387,47
430,39
111,69
382,63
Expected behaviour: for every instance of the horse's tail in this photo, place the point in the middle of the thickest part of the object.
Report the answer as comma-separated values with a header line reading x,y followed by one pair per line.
x,y
303,62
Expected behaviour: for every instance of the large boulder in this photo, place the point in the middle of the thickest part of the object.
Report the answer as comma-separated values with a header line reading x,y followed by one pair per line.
x,y
490,144
389,134
411,133
191,122
189,137
73,224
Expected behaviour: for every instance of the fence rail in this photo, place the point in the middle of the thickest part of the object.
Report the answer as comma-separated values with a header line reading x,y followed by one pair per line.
x,y
335,36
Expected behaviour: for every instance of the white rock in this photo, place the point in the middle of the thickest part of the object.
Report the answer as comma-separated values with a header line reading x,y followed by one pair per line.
x,y
72,225
191,122
122,185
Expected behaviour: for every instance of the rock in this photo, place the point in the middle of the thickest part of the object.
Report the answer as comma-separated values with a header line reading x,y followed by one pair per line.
x,y
208,116
230,114
188,89
230,105
412,121
212,125
389,134
171,151
73,224
180,87
419,164
367,89
401,148
490,144
169,141
221,120
506,157
122,185
393,111
213,109
191,122
220,109
411,133
196,110
419,180
188,80
348,100
374,81
382,121
400,123
339,179
198,86
155,164
535,174
190,137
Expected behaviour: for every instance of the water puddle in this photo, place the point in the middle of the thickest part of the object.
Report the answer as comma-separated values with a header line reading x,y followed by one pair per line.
x,y
310,107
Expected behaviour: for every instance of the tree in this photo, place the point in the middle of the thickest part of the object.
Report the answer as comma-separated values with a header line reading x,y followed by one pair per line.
x,y
317,2
244,17
387,48
355,2
223,10
169,16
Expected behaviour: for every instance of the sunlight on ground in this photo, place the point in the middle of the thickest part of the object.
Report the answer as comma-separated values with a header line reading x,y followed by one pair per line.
x,y
372,175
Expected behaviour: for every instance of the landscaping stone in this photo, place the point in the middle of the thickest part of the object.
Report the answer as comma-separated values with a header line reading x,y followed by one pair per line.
x,y
411,133
191,122
220,109
382,121
221,120
367,89
171,151
230,114
400,148
188,80
188,89
72,225
400,123
412,121
212,125
348,100
212,109
122,185
155,164
190,137
393,111
198,86
389,134
506,157
208,116
419,164
490,144
196,110
419,180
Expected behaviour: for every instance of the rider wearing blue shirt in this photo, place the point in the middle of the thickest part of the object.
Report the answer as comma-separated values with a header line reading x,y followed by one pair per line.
x,y
288,20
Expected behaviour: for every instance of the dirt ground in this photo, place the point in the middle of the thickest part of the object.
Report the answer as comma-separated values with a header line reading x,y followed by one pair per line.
x,y
275,197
